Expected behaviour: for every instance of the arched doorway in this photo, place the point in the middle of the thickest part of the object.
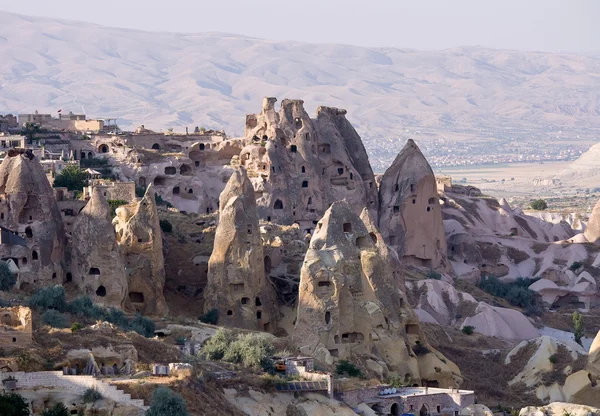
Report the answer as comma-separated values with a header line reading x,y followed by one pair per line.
x,y
395,410
424,410
156,146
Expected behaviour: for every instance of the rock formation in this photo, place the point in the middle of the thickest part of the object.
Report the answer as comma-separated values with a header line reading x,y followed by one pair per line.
x,y
410,215
140,237
237,286
97,262
299,165
350,306
592,230
28,208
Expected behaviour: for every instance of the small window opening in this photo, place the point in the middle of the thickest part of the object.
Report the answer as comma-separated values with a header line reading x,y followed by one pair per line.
x,y
258,315
101,291
293,148
305,184
327,317
347,227
396,209
257,302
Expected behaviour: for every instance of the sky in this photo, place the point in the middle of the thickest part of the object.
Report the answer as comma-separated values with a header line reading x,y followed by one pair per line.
x,y
541,25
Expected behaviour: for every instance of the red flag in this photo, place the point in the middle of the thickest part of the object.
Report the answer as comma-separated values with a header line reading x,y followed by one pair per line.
x,y
60,111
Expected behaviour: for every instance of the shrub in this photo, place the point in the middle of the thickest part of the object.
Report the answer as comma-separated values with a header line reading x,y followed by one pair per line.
x,y
143,326
91,396
180,341
76,327
345,367
58,409
517,293
539,205
114,204
72,177
54,318
434,275
83,306
7,278
217,345
167,403
140,191
468,329
575,266
420,349
13,404
578,327
520,296
166,226
117,317
553,358
251,350
210,317
52,297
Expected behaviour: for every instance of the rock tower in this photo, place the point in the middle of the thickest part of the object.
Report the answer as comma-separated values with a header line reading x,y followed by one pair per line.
x,y
410,215
140,237
351,307
299,165
28,208
237,286
97,261
592,230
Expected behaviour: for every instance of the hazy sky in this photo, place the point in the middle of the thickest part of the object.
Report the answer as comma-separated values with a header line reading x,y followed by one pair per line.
x,y
548,25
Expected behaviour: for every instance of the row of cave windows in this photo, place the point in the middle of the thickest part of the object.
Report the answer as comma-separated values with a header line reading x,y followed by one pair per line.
x,y
201,146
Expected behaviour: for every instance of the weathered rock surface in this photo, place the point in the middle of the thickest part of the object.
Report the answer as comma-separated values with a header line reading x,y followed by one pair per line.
x,y
237,286
559,409
350,304
410,215
140,237
28,207
592,230
97,262
299,165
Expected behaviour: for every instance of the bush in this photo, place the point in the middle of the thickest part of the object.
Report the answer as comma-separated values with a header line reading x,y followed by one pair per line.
x,y
91,396
13,404
117,317
217,345
7,278
251,350
76,327
93,162
517,293
143,326
420,349
71,177
553,358
578,327
83,306
520,296
210,317
575,266
52,297
167,403
346,368
468,329
166,226
58,409
434,275
54,318
140,191
539,205
180,341
114,204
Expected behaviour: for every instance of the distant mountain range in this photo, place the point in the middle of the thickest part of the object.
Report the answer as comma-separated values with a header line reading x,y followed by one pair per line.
x,y
175,80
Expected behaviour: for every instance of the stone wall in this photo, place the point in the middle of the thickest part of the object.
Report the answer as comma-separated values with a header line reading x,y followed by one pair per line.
x,y
16,326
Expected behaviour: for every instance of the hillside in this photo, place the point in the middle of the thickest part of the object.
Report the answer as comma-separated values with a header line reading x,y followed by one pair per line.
x,y
212,79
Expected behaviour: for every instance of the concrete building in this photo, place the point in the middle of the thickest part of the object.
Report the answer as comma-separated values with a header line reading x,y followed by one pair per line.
x,y
11,141
66,122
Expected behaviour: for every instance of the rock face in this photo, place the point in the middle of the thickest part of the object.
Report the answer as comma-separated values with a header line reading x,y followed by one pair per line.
x,y
97,261
299,165
139,235
28,208
350,305
410,214
237,286
592,231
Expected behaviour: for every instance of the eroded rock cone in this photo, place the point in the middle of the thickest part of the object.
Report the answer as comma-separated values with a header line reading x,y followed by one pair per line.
x,y
28,207
97,263
592,230
237,286
351,306
138,233
410,216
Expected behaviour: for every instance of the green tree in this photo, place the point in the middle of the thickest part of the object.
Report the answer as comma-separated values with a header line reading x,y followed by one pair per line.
x,y
539,205
578,325
13,404
114,204
54,318
345,367
71,177
7,278
58,409
167,403
30,130
52,297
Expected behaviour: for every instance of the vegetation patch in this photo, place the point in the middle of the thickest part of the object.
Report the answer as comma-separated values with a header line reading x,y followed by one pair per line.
x,y
517,293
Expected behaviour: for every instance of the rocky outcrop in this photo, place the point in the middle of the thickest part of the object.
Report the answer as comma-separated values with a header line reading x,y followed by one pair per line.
x,y
28,208
592,230
350,305
299,165
410,215
237,286
97,261
139,235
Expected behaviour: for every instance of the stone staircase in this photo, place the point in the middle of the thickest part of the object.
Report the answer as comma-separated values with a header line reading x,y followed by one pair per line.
x,y
75,384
